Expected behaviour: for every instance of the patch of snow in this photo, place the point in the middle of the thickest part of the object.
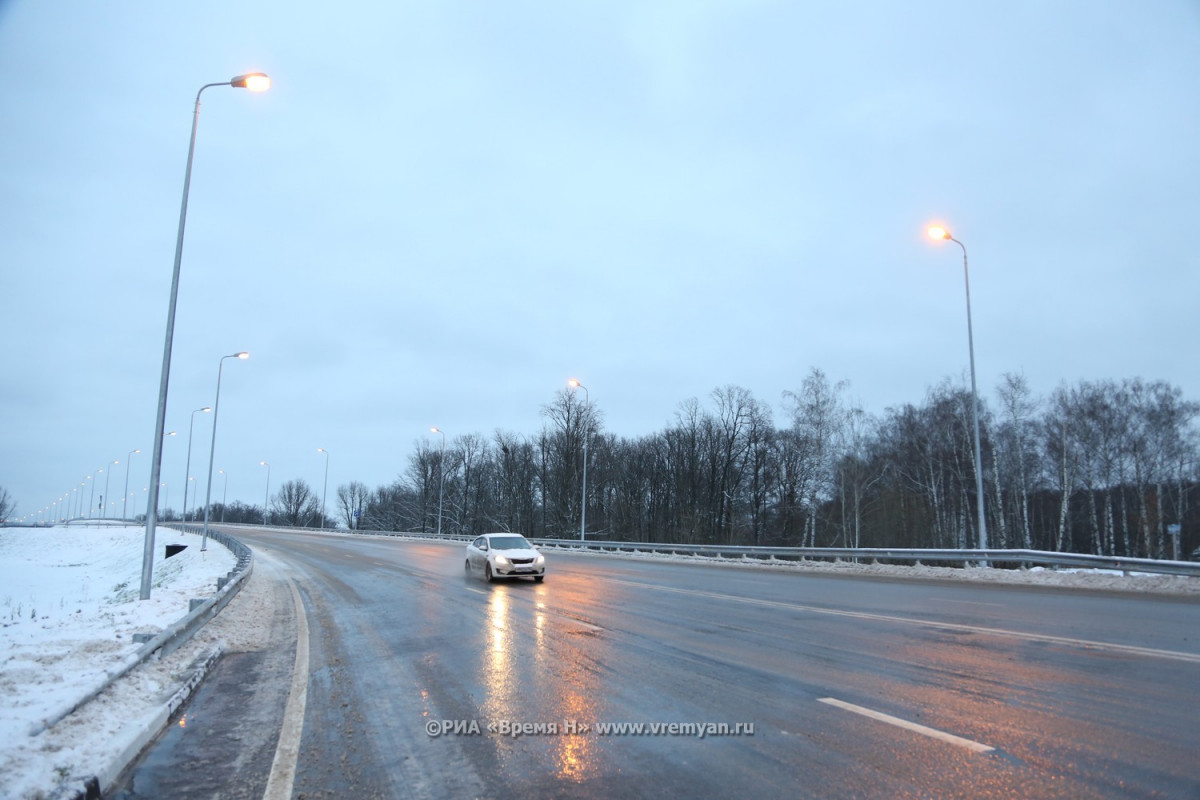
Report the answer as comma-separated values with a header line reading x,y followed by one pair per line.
x,y
69,609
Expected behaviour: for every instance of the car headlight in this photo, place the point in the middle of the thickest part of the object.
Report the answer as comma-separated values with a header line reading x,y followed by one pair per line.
x,y
540,560
501,561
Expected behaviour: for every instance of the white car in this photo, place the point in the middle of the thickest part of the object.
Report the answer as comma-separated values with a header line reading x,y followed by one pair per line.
x,y
505,555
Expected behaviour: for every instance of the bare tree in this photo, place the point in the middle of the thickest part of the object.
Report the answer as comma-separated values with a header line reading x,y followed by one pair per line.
x,y
7,506
296,505
818,418
352,501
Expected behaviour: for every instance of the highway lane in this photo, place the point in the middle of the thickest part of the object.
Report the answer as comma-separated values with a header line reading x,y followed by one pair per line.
x,y
854,687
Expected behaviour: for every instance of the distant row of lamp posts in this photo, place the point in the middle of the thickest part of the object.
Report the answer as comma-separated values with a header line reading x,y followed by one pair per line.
x,y
256,82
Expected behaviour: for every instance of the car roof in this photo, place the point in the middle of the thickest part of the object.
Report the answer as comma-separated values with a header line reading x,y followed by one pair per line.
x,y
500,533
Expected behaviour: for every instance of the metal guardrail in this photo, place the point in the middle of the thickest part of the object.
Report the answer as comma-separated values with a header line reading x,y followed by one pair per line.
x,y
1038,557
1045,558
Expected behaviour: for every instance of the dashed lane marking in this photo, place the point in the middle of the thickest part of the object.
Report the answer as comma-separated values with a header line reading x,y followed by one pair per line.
x,y
934,733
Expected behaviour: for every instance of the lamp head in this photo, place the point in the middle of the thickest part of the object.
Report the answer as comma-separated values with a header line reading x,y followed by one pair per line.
x,y
254,81
938,232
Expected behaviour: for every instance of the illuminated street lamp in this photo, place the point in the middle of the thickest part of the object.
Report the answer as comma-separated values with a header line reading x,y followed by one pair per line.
x,y
188,476
255,82
575,384
267,495
242,356
441,476
325,491
937,232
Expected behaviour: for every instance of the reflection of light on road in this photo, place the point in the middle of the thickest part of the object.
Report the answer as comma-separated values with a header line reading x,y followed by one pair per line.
x,y
538,665
499,679
575,754
424,702
183,721
539,627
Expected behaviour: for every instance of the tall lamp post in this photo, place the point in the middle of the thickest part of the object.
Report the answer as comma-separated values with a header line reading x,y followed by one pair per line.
x,y
325,491
125,499
242,356
92,494
267,495
937,232
188,476
575,384
224,492
103,500
441,475
255,82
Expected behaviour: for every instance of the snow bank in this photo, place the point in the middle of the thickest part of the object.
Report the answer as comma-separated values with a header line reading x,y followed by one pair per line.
x,y
69,610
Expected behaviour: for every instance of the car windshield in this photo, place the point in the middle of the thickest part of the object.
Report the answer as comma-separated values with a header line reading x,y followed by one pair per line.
x,y
510,543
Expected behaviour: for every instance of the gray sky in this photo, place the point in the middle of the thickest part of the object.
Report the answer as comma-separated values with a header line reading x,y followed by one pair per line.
x,y
442,211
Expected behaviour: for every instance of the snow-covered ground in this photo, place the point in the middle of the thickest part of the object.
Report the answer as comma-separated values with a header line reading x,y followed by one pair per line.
x,y
69,608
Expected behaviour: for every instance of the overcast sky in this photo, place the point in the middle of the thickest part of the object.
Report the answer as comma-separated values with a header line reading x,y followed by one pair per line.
x,y
441,211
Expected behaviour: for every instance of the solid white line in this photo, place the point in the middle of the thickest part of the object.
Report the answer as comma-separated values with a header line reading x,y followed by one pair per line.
x,y
287,752
964,602
911,726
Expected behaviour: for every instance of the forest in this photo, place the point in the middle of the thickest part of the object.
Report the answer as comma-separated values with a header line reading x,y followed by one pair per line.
x,y
1107,467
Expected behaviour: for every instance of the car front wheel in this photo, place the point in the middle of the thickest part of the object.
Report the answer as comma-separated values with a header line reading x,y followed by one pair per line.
x,y
487,573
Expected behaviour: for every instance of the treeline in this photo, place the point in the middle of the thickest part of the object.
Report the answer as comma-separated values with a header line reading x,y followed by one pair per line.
x,y
1105,467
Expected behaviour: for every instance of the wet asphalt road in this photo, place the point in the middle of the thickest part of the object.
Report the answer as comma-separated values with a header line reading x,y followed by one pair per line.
x,y
1017,692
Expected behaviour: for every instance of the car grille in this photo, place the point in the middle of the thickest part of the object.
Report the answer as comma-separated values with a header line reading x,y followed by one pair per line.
x,y
521,561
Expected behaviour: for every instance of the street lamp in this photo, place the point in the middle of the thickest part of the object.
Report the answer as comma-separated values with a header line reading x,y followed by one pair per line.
x,y
937,232
267,495
255,82
224,492
441,476
92,493
104,508
188,476
125,499
242,356
575,384
325,491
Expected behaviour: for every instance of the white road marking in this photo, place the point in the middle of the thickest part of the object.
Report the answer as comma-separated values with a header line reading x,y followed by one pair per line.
x,y
1087,644
287,752
910,726
964,602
